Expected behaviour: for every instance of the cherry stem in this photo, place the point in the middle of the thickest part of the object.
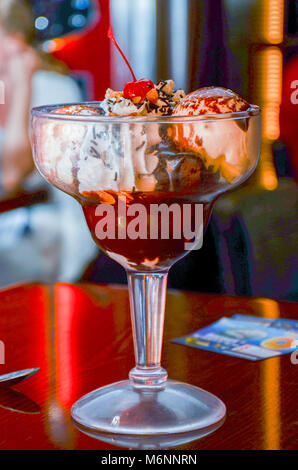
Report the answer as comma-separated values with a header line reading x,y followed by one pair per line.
x,y
111,36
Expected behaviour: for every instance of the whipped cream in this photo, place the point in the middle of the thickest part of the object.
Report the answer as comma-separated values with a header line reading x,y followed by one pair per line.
x,y
122,107
118,157
58,145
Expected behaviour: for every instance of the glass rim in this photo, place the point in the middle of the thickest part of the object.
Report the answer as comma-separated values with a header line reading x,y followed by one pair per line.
x,y
46,113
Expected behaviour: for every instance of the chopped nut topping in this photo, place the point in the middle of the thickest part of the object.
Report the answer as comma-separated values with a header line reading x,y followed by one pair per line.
x,y
168,87
159,100
152,95
137,99
113,94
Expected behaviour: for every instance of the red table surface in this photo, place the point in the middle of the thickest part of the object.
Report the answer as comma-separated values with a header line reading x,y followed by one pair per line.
x,y
80,337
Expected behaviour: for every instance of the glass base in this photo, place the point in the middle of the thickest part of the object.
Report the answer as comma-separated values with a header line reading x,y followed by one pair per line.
x,y
149,442
135,416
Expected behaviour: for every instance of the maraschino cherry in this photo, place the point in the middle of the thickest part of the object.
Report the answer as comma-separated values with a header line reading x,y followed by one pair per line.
x,y
137,88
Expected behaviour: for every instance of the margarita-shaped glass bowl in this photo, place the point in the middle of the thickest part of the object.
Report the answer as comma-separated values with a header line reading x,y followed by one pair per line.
x,y
146,186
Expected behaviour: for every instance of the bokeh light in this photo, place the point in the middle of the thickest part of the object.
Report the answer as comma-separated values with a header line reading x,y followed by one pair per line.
x,y
41,23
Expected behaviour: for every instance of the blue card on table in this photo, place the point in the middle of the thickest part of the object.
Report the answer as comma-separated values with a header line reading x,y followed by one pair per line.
x,y
245,336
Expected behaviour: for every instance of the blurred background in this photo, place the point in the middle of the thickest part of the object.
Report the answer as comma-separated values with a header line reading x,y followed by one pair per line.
x,y
57,51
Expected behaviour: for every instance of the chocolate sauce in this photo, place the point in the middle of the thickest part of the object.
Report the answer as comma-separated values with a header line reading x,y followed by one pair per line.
x,y
144,254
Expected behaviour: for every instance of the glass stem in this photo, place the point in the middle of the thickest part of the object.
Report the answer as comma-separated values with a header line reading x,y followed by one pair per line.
x,y
147,294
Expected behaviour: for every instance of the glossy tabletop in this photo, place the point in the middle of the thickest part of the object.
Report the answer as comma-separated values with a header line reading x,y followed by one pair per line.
x,y
80,337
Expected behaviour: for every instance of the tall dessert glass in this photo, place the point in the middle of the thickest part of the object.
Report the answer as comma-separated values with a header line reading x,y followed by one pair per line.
x,y
118,168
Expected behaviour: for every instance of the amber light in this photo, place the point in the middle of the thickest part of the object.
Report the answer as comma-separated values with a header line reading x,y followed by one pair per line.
x,y
267,177
269,70
266,61
268,90
273,20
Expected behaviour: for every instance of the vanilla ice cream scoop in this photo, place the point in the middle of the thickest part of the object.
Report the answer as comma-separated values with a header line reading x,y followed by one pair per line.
x,y
210,100
222,145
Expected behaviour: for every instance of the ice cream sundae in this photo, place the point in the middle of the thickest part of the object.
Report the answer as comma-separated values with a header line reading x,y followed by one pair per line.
x,y
143,163
147,144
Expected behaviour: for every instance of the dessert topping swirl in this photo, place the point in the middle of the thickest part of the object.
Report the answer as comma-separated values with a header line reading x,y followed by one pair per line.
x,y
159,100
